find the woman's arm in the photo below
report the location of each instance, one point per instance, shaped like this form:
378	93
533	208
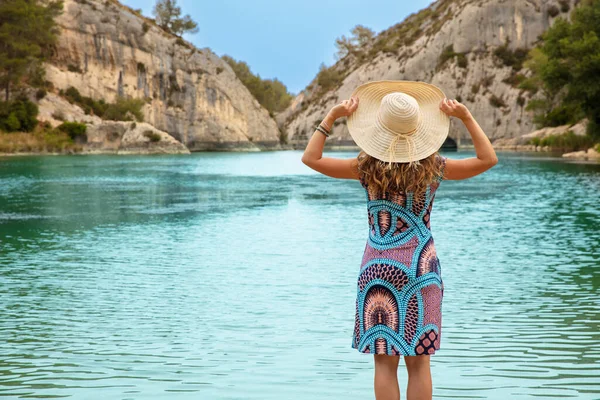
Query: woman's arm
313	154
486	156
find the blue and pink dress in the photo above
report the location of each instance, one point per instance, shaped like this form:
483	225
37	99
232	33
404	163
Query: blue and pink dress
400	287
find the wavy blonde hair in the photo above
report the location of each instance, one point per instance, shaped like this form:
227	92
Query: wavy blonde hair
389	177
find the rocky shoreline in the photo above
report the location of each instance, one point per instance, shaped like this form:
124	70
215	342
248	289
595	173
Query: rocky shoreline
131	138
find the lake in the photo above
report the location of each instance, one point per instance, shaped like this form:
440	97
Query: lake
233	276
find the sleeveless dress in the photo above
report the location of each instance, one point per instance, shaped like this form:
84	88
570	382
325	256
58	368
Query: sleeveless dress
400	287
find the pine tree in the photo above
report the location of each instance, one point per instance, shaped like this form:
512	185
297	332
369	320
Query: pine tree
168	16
27	32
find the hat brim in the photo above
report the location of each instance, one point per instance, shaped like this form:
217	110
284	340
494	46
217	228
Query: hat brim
431	132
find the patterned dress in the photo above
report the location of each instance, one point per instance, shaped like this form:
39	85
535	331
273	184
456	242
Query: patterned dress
400	287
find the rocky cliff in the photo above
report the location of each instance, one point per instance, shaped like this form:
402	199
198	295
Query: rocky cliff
472	49
107	50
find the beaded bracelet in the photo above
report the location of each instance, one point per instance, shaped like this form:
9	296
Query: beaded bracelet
322	130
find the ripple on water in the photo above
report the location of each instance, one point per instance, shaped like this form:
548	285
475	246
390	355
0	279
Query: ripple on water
218	276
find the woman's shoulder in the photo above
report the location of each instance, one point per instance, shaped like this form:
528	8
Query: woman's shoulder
442	162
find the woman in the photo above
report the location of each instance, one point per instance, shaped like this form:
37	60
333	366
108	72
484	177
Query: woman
399	127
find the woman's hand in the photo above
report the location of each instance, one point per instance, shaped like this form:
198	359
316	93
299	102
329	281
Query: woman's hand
344	109
453	108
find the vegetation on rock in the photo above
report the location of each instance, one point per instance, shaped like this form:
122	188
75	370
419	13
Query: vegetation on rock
568	141
75	130
168	16
272	94
329	78
356	44
122	110
19	115
41	140
27	33
152	136
449	53
511	58
566	67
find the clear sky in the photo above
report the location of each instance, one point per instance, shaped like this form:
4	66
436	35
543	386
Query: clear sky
284	39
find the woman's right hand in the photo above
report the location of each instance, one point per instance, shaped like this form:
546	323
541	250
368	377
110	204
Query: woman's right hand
345	108
453	108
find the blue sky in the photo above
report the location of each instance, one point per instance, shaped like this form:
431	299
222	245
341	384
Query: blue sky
284	39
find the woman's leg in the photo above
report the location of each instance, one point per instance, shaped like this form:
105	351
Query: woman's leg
419	377
386	377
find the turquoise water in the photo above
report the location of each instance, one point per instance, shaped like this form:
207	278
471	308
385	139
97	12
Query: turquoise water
232	276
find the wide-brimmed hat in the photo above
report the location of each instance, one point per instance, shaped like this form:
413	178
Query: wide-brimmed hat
399	121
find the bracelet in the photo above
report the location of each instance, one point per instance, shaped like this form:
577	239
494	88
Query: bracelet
322	130
327	127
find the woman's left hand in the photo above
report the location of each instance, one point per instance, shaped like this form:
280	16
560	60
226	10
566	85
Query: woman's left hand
344	109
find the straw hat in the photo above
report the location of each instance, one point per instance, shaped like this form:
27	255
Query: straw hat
399	121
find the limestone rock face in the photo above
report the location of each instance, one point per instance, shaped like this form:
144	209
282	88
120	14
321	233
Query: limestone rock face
120	137
56	110
482	81
590	154
106	50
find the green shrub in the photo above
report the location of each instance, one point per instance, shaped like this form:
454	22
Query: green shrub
18	115
564	5
74	68
75	130
511	58
125	110
40	94
89	105
153	136
521	101
145	27
329	78
529	85
562	114
496	101
553	11
514	79
272	94
446	55
461	60
449	53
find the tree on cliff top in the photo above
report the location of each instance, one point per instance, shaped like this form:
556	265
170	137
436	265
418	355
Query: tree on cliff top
168	16
27	32
361	37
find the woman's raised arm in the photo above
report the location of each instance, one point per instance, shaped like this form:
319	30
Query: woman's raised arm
313	154
486	156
